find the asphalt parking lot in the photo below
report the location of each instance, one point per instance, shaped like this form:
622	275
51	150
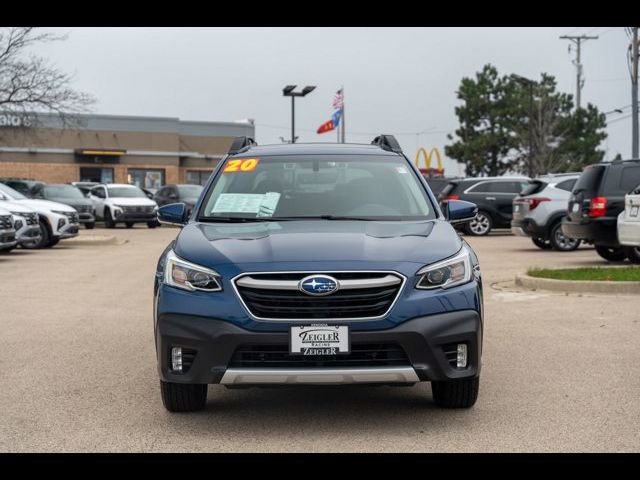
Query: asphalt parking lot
78	371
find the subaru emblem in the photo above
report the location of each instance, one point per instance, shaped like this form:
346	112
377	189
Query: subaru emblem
318	285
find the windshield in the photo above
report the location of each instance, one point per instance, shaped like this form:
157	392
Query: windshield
190	191
366	187
62	191
10	192
126	192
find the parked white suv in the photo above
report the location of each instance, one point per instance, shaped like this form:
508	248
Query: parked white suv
7	231
538	211
26	222
57	221
629	225
122	203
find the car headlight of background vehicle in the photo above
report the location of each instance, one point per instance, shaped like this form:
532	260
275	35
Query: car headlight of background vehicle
447	273
189	276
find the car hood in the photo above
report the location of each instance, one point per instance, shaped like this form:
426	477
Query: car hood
73	202
45	205
317	241
15	206
132	202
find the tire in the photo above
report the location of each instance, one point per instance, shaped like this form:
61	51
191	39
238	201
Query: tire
7	249
129	224
53	242
560	242
481	225
45	237
108	219
456	393
90	226
633	254
183	397
152	224
541	243
611	254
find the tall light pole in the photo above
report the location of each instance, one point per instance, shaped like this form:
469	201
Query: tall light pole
578	39
529	84
288	91
634	92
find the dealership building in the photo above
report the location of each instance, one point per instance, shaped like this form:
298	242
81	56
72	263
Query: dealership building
146	151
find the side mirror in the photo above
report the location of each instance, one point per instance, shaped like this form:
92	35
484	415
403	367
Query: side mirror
459	211
173	214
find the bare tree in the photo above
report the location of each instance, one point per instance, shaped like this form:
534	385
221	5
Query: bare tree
29	83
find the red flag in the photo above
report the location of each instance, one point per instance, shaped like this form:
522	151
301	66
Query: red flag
326	127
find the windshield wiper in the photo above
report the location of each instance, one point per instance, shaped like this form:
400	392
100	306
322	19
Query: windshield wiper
238	219
325	217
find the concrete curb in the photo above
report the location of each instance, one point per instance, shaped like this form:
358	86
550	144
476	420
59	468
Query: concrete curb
577	286
94	240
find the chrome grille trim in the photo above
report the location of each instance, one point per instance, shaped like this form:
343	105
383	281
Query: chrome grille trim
250	282
304	273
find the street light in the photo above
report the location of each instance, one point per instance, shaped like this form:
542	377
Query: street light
288	91
528	83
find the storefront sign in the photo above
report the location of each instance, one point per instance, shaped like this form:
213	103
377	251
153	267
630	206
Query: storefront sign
12	120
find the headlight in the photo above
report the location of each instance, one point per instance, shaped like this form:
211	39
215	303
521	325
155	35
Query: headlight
59	212
447	273
189	276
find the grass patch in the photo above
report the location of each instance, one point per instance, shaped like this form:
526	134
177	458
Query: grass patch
621	274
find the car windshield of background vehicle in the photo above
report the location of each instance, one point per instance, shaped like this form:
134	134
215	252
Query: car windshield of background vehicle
375	187
11	193
190	191
126	192
62	191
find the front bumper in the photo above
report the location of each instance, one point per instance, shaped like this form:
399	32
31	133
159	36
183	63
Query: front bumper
134	217
599	231
7	238
86	218
423	339
29	235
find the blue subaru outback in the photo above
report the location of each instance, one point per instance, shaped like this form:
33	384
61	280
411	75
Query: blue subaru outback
317	264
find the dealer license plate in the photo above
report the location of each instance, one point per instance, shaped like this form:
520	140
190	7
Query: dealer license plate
319	339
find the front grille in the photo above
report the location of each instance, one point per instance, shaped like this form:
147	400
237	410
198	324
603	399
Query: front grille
290	303
84	208
138	209
5	221
278	356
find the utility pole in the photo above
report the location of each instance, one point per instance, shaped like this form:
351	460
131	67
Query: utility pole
529	84
577	40
634	92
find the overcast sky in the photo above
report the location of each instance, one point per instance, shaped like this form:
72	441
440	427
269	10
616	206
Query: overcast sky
396	80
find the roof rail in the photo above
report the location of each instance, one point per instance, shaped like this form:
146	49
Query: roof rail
241	143
387	142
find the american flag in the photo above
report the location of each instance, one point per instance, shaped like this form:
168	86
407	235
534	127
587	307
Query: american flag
338	100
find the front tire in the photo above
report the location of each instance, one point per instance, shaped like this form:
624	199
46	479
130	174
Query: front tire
45	237
456	393
611	254
90	226
541	243
560	242
481	225
183	397
7	249
108	219
129	224
152	224
633	254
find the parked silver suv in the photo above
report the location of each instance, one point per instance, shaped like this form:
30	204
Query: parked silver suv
538	211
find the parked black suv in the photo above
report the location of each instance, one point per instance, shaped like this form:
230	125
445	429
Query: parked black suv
187	194
595	203
25	186
493	196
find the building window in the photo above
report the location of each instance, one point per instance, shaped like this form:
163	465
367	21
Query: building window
101	175
146	178
198	177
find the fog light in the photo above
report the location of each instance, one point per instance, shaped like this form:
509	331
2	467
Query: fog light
61	223
176	359
461	359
